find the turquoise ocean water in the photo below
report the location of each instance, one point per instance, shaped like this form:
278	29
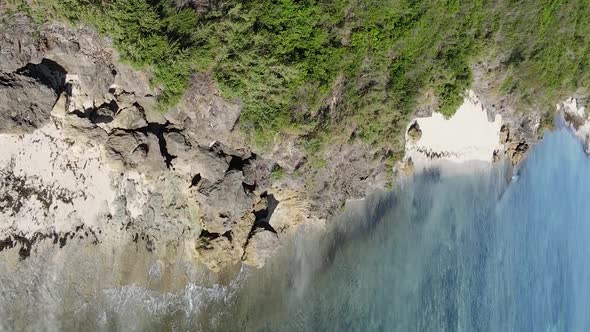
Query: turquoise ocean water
479	252
463	253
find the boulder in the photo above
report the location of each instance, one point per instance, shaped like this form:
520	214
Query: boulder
129	118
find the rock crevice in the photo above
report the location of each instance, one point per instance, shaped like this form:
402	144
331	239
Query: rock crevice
88	147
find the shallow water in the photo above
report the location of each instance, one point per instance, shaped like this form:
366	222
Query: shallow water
468	253
465	253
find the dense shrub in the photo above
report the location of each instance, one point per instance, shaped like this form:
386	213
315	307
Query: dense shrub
284	59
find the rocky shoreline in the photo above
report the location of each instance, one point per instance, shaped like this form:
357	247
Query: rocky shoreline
88	158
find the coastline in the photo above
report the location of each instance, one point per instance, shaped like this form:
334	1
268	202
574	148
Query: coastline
463	141
288	166
187	179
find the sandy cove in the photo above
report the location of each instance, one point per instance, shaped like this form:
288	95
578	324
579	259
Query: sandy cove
467	136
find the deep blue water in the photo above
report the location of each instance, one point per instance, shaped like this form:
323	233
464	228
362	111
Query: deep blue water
463	253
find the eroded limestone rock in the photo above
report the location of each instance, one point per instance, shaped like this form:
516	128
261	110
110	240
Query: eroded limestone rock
96	157
575	115
286	212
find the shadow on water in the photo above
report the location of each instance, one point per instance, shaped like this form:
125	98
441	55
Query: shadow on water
441	253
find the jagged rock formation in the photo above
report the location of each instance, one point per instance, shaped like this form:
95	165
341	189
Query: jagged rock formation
29	93
87	157
185	177
521	128
575	115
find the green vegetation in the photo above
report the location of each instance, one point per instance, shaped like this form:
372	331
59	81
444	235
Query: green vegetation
545	47
277	173
315	67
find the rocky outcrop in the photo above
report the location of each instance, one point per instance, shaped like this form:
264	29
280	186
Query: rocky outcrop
84	148
278	218
521	128
576	117
29	93
414	132
89	158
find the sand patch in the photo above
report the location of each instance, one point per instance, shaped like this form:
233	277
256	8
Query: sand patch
50	183
468	136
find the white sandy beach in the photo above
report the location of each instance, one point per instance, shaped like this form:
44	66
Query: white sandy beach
468	136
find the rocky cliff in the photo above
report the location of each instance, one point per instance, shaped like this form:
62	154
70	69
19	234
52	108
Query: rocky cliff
88	157
85	153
